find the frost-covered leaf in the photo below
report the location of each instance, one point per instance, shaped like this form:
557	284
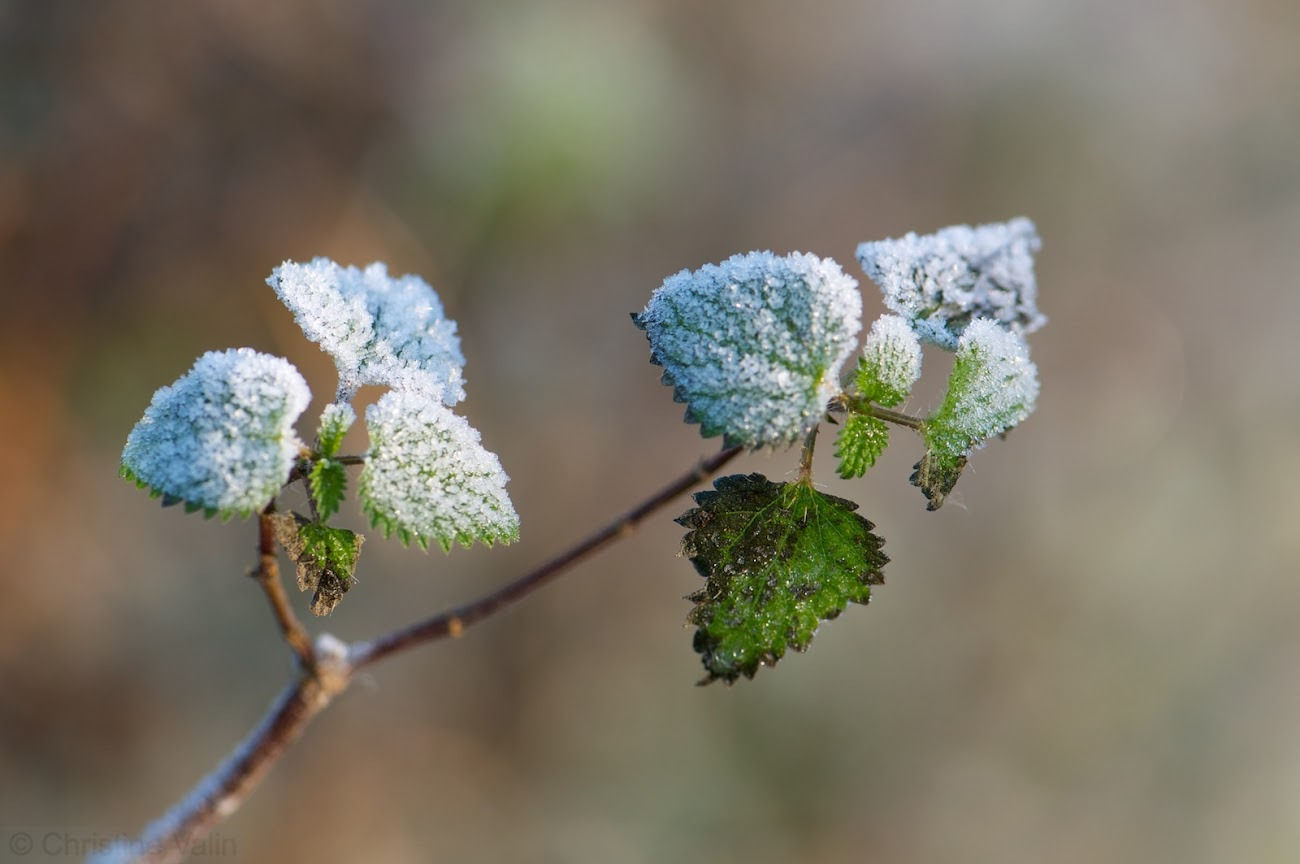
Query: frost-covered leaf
779	559
335	421
754	345
326	558
379	330
993	387
328	481
861	440
891	361
942	281
221	437
427	477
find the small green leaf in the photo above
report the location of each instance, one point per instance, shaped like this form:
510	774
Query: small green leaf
335	421
936	474
861	440
326	558
779	559
328	480
993	387
890	363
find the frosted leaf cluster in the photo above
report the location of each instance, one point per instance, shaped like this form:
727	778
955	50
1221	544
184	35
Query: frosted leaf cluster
891	361
221	437
427	477
943	281
993	387
754	345
379	330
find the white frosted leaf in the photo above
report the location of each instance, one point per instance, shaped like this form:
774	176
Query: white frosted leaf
993	387
379	329
891	361
942	281
754	345
221	437
427	477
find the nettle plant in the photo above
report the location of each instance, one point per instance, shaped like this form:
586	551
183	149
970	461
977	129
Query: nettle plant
757	349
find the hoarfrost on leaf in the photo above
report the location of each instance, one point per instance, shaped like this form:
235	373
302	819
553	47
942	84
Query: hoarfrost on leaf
993	387
754	345
942	281
891	361
427	477
379	329
221	437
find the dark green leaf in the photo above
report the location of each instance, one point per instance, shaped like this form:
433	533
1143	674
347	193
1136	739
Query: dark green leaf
779	559
328	481
861	440
326	558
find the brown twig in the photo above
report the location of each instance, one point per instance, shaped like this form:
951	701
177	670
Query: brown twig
267	574
328	669
454	621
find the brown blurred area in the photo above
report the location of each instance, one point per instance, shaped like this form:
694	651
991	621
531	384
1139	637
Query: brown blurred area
1089	655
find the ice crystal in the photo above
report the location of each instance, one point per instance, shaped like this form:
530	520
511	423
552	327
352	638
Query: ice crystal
221	437
942	281
891	361
754	345
993	387
427	477
379	330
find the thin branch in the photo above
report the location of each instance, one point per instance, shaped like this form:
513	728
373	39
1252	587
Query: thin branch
806	457
218	795
267	574
328	669
454	621
894	416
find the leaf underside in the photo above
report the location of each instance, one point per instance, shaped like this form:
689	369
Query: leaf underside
326	558
778	558
936	475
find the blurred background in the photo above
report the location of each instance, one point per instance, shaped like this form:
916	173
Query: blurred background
1090	654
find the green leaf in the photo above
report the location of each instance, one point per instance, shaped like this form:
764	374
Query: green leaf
335	421
890	363
328	480
428	477
326	558
861	440
993	387
779	558
936	474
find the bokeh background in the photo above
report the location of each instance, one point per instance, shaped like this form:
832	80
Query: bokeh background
1090	654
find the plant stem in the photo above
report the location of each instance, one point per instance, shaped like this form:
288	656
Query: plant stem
893	416
806	457
454	621
328	669
267	574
